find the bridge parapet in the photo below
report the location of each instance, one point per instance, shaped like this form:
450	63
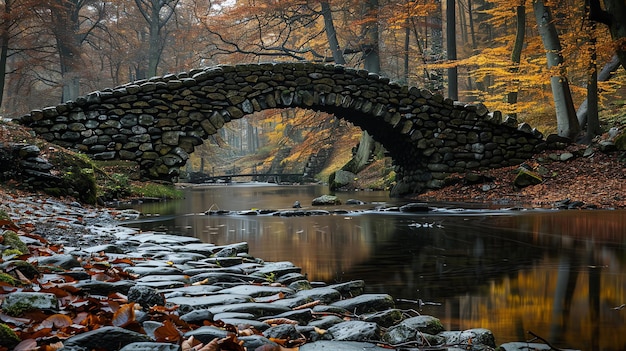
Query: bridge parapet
159	121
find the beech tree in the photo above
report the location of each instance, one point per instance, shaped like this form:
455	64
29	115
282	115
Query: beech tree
567	123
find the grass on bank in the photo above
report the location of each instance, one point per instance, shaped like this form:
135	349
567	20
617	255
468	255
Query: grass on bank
120	180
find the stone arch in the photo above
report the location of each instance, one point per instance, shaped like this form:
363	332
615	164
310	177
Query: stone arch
158	122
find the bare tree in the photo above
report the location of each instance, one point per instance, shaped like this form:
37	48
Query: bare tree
157	14
453	75
71	23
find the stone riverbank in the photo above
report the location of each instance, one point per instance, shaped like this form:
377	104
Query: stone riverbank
76	280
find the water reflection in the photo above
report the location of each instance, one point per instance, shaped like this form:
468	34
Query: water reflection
556	273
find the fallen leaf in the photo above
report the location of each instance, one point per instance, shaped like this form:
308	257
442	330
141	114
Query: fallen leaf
57	321
274	321
167	333
124	315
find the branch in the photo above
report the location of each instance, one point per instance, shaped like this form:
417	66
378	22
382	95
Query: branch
544	340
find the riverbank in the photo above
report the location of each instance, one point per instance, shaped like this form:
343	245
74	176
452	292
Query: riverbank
576	177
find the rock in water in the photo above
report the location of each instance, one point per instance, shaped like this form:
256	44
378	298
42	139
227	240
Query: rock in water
326	200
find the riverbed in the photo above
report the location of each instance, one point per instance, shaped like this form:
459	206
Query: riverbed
559	274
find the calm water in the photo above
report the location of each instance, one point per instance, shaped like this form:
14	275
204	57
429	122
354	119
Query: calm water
558	274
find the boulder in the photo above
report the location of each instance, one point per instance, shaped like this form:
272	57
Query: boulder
341	179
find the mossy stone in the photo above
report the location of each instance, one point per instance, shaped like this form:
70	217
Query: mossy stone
620	142
27	269
5	278
8	336
11	239
78	177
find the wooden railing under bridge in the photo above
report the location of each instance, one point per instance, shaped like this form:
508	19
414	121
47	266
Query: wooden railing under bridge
278	178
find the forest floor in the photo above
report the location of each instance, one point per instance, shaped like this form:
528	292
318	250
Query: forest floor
596	181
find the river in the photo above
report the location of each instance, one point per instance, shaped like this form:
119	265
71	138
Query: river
559	274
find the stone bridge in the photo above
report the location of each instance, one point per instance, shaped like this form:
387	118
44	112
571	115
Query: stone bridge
159	121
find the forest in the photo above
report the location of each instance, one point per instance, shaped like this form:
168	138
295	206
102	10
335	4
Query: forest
555	64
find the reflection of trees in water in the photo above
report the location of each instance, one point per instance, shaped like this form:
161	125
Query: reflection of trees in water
323	246
555	274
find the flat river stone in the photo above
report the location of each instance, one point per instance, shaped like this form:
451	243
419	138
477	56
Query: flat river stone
105	338
189	303
150	346
206	334
255	308
256	291
366	303
325	345
325	295
354	331
218	277
28	301
143	271
164	239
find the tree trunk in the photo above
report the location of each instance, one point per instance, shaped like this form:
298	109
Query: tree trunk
453	76
471	23
606	73
151	13
593	122
371	61
371	55
567	124
331	34
435	24
4	49
516	54
407	42
65	26
614	16
154	42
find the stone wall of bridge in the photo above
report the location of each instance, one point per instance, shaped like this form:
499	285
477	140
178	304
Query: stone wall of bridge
158	122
